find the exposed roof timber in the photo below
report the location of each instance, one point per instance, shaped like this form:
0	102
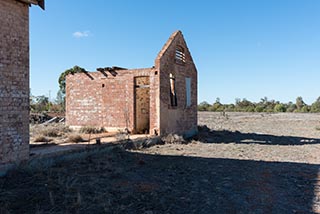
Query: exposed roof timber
36	2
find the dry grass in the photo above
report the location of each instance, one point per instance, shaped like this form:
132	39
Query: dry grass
75	139
224	174
41	138
56	132
51	130
173	139
92	130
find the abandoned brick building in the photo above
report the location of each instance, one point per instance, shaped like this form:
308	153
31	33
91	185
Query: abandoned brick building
157	100
14	79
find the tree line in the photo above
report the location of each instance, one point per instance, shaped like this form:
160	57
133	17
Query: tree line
265	105
42	103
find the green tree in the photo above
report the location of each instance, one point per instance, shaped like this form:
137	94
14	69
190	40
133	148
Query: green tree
300	104
315	107
291	107
60	102
280	108
259	108
217	106
244	105
203	106
305	109
40	104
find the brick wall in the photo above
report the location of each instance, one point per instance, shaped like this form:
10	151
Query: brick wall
94	99
14	81
99	100
181	118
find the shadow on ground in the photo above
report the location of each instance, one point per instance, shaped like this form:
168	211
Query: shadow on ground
119	181
224	136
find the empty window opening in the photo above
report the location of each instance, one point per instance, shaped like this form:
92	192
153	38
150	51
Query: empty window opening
173	95
180	56
188	91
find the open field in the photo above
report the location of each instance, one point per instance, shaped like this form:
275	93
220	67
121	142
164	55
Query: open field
246	163
283	137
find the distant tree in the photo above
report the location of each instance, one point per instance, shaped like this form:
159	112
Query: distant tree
305	109
315	107
244	105
265	105
264	100
203	106
291	107
217	106
259	108
229	107
280	108
237	101
299	103
40	104
60	101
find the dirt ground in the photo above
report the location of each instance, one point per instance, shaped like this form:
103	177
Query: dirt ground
245	163
283	137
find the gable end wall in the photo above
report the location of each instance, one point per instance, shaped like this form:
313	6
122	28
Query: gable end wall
181	119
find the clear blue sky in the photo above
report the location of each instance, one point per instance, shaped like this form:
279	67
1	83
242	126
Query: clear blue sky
242	48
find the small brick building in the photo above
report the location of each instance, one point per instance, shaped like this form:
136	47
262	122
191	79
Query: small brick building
157	100
14	79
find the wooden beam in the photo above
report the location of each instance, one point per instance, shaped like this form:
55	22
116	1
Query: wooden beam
35	2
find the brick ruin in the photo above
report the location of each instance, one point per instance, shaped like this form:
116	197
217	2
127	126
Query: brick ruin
157	100
14	79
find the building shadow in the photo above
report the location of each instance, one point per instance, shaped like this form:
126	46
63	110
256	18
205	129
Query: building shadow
207	135
133	182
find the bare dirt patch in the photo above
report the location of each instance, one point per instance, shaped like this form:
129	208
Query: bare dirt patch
256	166
283	137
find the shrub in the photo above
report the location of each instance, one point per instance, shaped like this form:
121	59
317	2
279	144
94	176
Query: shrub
291	107
92	130
41	138
280	108
258	109
55	131
173	139
305	109
75	139
51	132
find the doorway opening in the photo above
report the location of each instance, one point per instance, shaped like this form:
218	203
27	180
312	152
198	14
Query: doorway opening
142	105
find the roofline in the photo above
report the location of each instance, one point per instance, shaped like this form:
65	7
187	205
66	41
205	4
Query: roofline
35	2
168	43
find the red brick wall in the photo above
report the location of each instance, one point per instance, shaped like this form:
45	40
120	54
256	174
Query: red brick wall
100	101
180	119
14	81
109	101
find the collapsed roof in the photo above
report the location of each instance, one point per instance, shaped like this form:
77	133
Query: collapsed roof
35	2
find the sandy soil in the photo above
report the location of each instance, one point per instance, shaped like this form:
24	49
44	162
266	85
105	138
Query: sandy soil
246	163
282	137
